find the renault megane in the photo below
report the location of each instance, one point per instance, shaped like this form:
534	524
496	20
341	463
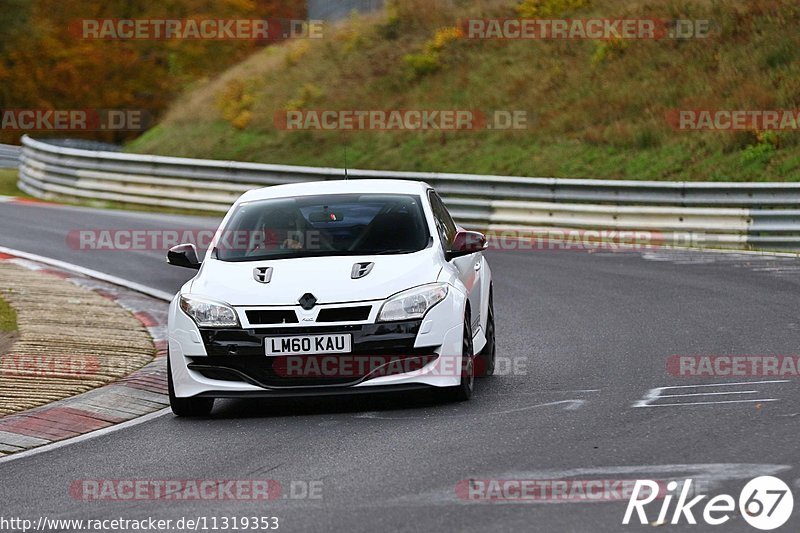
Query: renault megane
335	287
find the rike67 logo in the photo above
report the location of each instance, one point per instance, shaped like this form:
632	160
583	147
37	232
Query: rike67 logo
765	503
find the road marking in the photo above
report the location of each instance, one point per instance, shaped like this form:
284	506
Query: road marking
571	405
132	285
726	384
564	391
85	436
537	393
707	394
710	403
653	395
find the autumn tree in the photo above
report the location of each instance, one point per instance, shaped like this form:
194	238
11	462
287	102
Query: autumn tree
45	63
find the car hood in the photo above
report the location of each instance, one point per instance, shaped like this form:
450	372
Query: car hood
327	278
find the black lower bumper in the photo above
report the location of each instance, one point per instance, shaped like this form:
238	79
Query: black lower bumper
315	392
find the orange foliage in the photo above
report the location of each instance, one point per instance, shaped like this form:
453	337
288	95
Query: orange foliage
45	64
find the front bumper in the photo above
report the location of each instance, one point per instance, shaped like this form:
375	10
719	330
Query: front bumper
378	350
397	355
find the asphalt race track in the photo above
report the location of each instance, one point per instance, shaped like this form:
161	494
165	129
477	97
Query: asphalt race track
590	335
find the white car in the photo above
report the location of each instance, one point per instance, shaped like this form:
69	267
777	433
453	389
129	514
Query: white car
329	288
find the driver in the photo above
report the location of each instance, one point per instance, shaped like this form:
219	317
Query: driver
280	228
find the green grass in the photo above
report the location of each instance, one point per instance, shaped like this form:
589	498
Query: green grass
8	318
8	183
595	110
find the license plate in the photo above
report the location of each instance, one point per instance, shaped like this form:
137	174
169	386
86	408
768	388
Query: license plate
309	344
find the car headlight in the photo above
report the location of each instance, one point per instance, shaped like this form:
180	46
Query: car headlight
208	313
413	303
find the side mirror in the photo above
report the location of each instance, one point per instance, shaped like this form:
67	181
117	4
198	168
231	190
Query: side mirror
183	255
465	243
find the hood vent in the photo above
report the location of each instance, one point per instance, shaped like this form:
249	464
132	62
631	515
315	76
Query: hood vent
361	269
262	274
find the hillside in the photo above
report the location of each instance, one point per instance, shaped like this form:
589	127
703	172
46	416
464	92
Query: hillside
596	108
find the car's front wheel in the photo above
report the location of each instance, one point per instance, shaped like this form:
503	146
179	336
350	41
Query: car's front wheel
186	406
463	391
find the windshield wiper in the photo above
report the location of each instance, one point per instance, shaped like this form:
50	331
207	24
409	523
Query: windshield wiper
394	251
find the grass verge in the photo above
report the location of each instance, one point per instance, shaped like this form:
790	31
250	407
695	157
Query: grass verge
8	183
8	318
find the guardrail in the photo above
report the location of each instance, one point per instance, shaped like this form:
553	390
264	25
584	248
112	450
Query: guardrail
9	155
720	214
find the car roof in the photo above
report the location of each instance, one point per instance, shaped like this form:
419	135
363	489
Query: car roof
351	186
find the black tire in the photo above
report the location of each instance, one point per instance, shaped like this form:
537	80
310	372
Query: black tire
186	406
486	360
463	391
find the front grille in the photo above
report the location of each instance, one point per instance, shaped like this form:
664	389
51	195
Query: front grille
384	338
271	316
344	314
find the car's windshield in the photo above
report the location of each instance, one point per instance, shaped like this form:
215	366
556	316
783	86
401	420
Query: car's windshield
309	226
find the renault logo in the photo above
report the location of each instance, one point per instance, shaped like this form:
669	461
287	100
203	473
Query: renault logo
307	301
262	274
